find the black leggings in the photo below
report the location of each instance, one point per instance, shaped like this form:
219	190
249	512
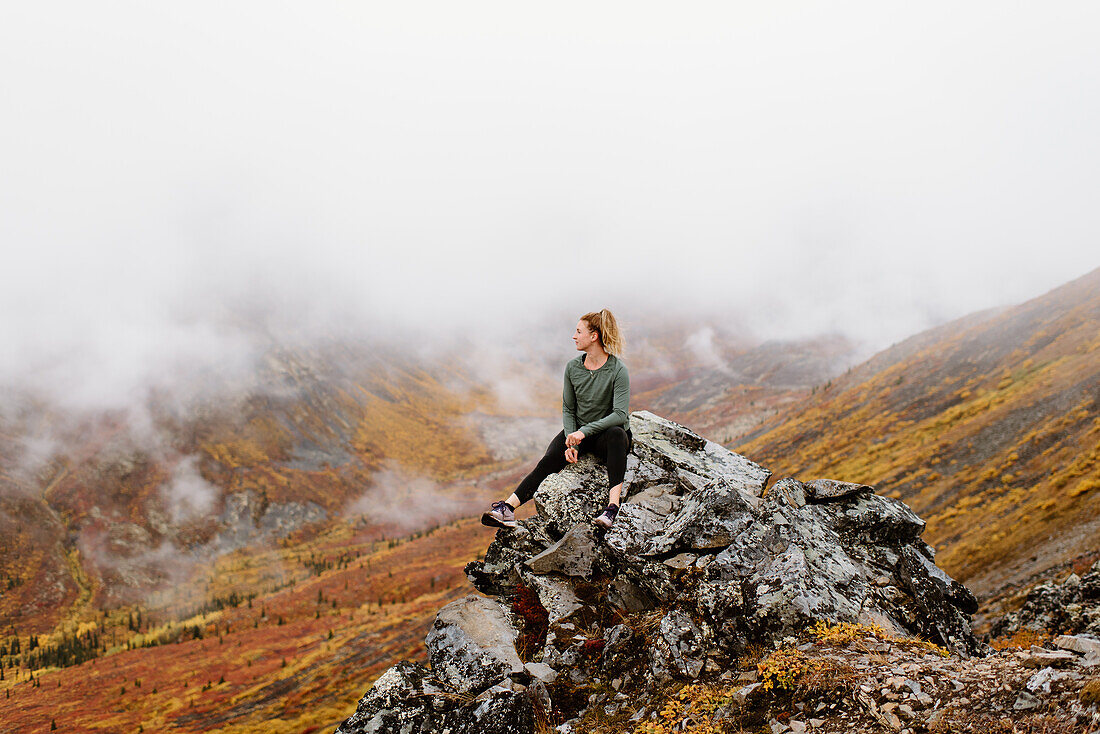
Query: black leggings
611	445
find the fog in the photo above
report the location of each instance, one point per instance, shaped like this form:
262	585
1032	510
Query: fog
184	182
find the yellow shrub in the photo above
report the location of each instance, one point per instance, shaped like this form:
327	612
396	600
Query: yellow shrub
1084	486
783	668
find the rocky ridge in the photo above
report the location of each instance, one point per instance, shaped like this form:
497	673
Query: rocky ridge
701	572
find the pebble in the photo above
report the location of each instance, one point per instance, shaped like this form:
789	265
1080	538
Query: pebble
1041	658
1077	643
1025	701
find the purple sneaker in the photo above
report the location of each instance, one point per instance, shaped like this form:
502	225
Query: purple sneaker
606	518
500	516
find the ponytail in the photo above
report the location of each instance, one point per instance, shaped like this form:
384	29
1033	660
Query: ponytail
604	324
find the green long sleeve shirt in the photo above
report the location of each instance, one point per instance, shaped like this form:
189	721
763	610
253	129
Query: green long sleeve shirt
594	400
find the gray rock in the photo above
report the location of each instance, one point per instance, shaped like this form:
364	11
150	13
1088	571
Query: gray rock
1077	643
1039	657
674	447
404	699
659	499
1091	660
639	521
719	600
681	561
941	616
1026	701
556	596
497	574
573	495
823	490
870	519
642	474
472	645
630	597
712	517
792	491
1072	607
573	555
542	672
917	564
682	643
746	693
620	651
1040	682
503	712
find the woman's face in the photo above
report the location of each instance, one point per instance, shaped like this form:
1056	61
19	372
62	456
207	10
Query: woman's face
583	337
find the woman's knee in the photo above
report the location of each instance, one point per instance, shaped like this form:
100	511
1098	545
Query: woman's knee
616	436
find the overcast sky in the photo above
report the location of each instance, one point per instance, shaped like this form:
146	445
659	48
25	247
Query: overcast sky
874	168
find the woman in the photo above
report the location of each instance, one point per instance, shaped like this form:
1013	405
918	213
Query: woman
595	400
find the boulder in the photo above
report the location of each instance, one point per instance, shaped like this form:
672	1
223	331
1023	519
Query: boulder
472	645
824	490
501	712
1078	643
1040	657
572	496
678	449
404	699
682	644
942	601
573	555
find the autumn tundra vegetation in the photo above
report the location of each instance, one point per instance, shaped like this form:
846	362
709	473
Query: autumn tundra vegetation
988	427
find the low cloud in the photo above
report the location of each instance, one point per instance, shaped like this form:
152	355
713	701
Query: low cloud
408	501
187	495
701	345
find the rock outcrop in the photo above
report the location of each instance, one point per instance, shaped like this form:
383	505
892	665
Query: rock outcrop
700	565
1073	606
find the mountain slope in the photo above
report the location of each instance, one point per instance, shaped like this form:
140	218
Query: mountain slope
728	389
124	506
989	427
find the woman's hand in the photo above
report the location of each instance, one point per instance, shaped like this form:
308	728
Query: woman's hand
571	455
574	438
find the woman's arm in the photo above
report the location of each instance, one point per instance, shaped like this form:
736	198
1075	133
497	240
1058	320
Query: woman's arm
620	404
568	405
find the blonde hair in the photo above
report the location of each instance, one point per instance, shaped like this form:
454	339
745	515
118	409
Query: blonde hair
604	324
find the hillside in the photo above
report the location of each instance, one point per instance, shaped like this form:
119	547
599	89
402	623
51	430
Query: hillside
989	427
282	640
124	505
727	388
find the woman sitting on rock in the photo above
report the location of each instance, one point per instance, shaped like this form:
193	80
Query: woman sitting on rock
596	397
